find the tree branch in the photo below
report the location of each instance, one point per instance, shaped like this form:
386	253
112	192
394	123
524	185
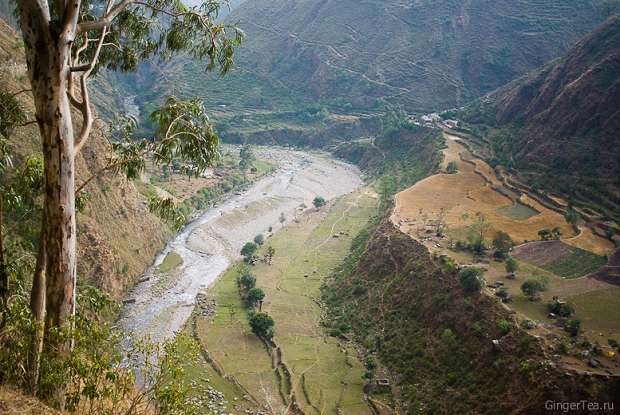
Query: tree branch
87	112
21	92
106	20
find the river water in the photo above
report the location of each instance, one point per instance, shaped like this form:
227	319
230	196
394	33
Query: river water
209	244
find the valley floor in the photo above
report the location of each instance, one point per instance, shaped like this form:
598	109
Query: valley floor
320	373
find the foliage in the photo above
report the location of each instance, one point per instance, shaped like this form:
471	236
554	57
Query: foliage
573	327
549	234
531	287
319	202
371	368
255	296
560	308
448	337
246	280
247	158
262	325
271	251
12	115
248	250
471	279
259	239
476	233
572	216
512	265
504	326
101	369
452	168
502	243
167	209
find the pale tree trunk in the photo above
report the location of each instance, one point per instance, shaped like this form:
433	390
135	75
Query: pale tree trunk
47	46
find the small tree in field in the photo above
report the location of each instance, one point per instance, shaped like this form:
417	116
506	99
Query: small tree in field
533	287
511	265
262	325
476	233
270	253
319	202
502	243
248	250
255	296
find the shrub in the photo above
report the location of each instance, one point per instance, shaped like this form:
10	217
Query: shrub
504	326
452	167
560	308
511	265
262	325
259	239
448	337
318	202
471	279
531	287
573	327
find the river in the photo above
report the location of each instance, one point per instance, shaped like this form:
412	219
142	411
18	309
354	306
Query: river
211	243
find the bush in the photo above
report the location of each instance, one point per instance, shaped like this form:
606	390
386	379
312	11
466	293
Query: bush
504	326
560	308
259	239
452	167
511	265
448	337
471	279
262	325
532	287
573	327
318	202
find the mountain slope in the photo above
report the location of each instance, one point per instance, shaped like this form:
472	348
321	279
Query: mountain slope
558	126
447	351
425	54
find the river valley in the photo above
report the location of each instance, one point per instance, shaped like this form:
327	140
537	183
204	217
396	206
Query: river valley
210	243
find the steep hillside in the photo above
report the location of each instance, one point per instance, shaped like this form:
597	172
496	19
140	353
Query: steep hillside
118	237
425	54
446	351
558	126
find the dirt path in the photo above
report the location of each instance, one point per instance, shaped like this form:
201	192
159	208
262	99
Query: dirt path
212	242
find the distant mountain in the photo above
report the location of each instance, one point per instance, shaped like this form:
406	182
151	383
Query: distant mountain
424	54
559	125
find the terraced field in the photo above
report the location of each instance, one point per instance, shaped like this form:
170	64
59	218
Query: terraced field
322	374
559	258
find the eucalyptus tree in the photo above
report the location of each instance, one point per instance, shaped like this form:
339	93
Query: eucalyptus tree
66	42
